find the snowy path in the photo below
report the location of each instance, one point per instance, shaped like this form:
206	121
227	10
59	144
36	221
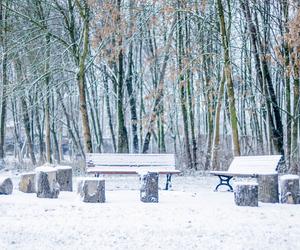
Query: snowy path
191	216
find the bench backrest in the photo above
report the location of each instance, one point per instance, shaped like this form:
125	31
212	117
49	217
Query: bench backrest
263	164
159	160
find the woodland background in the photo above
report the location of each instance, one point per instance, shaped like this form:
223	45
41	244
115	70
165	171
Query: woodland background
204	79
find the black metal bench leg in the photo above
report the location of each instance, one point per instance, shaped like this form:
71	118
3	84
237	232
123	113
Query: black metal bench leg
169	181
224	181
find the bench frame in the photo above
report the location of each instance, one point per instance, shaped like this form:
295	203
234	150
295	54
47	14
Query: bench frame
101	164
233	170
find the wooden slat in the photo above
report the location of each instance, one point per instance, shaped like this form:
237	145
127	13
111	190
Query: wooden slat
131	159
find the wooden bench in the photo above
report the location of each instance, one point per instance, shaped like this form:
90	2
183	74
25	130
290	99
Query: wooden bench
247	166
131	164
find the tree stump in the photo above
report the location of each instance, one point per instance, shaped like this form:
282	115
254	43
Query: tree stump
92	190
289	189
6	185
64	178
27	182
46	183
268	188
149	187
246	193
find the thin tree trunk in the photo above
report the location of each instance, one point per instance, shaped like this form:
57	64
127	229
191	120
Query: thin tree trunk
216	141
97	131
123	146
39	130
295	125
75	140
129	80
182	91
190	95
229	81
286	74
54	131
108	110
47	104
3	37
17	131
209	110
81	77
26	121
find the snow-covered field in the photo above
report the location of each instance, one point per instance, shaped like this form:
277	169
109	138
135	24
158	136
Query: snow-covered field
191	216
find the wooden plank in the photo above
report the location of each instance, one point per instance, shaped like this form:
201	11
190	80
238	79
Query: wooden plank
131	159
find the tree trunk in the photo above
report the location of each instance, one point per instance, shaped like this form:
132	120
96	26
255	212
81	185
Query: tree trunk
229	81
3	41
182	91
95	124
129	80
295	125
40	131
123	146
209	109
286	74
81	80
26	121
216	141
190	94
75	140
108	110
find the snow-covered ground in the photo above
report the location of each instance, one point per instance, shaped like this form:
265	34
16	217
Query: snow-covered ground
191	216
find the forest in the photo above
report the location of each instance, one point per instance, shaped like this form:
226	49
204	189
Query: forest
204	79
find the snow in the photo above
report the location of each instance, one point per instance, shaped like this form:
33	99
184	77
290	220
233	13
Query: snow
61	167
28	173
191	216
289	177
45	169
245	183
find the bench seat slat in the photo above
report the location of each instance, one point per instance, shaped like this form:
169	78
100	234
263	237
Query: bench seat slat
131	159
236	174
131	170
259	157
